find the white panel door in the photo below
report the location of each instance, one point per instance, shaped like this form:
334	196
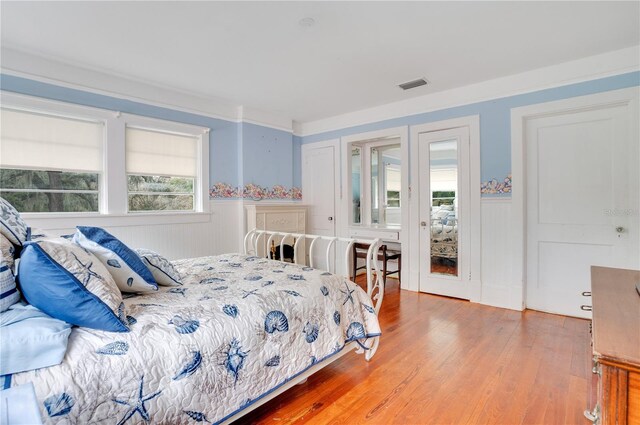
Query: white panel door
444	212
582	203
318	192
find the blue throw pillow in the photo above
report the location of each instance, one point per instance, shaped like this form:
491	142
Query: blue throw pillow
162	270
9	294
31	339
11	224
70	284
128	270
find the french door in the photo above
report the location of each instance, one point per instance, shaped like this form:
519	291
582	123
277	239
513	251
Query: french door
444	212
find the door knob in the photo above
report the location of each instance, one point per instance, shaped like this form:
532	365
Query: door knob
330	218
423	223
620	229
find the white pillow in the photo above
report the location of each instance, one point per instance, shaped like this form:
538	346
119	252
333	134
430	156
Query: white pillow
163	271
11	224
7	252
440	214
127	269
9	294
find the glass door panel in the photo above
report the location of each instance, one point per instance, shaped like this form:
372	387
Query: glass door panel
443	178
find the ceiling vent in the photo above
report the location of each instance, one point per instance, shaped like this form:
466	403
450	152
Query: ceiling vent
413	84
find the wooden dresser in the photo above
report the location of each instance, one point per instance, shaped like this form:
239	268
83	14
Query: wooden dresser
616	346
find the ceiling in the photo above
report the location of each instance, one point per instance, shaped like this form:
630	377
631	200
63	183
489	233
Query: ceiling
258	55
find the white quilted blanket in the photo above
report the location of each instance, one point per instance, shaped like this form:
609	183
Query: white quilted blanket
239	327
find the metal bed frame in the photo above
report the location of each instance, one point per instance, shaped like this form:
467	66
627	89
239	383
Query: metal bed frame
375	289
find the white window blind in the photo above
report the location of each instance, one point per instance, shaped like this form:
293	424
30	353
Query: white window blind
393	179
445	179
31	140
155	153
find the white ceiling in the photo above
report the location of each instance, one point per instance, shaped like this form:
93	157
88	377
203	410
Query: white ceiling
256	54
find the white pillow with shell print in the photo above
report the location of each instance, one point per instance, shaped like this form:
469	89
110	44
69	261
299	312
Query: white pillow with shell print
11	224
7	252
162	270
127	269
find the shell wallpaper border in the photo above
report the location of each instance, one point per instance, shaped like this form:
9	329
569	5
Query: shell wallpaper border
255	192
494	186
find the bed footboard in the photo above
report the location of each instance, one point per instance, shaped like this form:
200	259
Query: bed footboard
266	239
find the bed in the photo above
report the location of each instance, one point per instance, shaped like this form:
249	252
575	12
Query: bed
239	331
444	233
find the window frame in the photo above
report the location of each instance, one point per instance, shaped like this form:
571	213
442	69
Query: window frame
113	189
366	200
200	189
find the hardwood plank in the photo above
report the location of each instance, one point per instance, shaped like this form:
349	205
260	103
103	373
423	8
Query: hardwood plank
447	361
634	398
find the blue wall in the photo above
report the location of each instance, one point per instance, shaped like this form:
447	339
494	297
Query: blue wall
240	153
495	120
267	156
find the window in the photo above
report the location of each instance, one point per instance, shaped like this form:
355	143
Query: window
63	158
376	182
50	163
392	177
439	197
161	170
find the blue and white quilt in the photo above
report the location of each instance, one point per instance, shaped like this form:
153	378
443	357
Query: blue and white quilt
239	327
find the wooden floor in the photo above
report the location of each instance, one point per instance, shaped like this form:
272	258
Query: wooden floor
446	361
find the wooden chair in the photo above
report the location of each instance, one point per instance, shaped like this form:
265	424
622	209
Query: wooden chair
384	255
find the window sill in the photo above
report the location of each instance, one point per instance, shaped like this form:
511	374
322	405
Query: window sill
70	221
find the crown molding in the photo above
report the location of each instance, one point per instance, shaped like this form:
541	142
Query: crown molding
266	119
580	70
80	77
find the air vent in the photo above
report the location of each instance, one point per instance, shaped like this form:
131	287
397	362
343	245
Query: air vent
413	84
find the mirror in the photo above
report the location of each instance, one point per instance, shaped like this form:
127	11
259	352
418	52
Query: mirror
356	173
385	185
443	178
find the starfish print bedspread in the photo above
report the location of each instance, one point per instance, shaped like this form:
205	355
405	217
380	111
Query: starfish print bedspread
239	327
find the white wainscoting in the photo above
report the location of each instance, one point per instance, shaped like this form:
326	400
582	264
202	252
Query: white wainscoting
217	232
499	288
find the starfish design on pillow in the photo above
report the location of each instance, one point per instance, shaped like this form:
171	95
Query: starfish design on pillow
86	273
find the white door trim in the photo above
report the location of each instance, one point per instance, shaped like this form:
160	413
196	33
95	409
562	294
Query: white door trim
473	122
623	97
337	192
